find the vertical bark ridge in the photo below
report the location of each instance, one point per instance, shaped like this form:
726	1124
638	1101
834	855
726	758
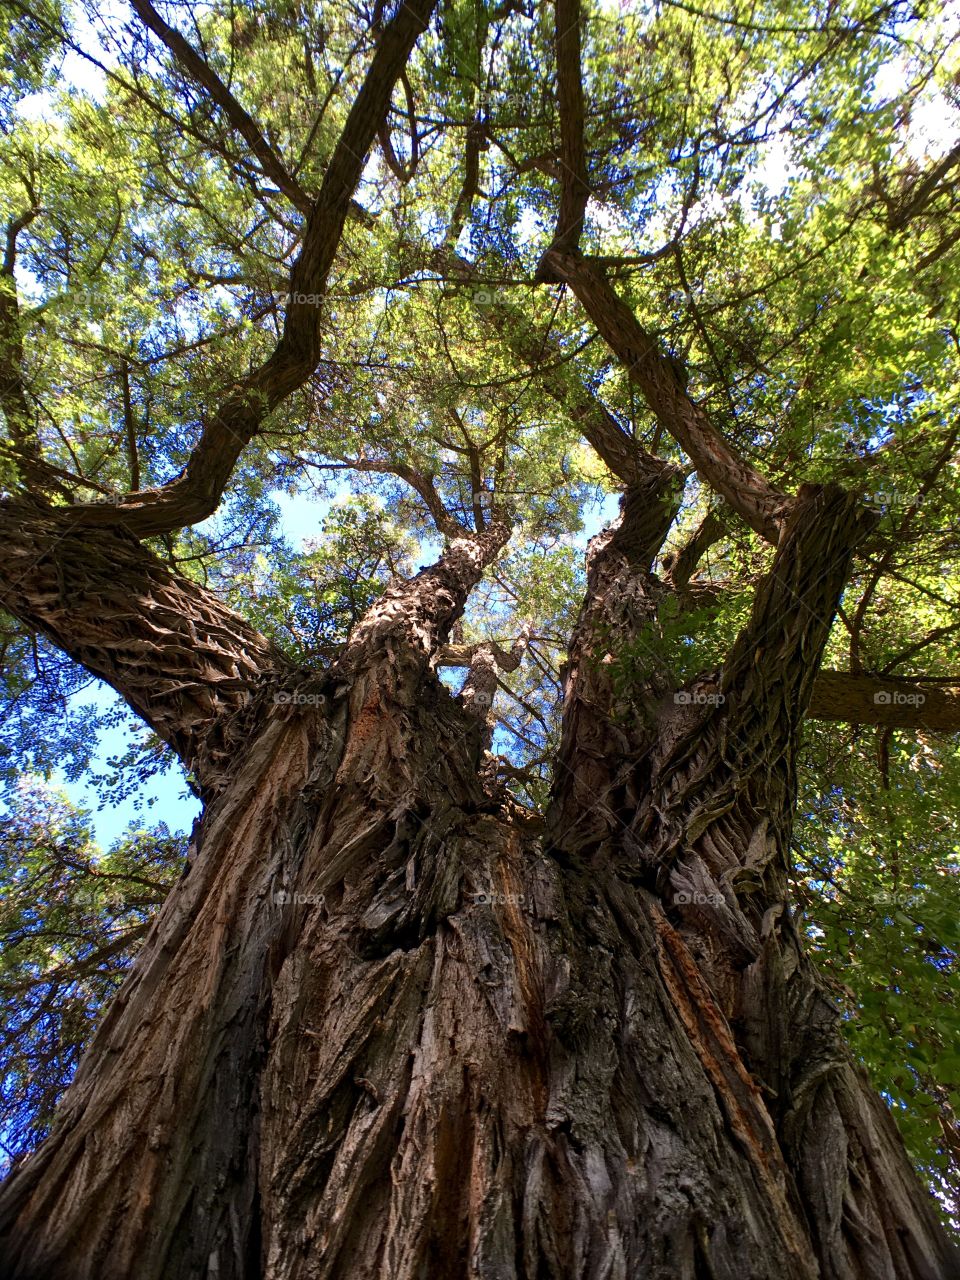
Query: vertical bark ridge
714	774
380	1031
162	1121
621	601
150	1168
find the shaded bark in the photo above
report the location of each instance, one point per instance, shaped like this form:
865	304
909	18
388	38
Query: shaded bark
183	661
575	187
896	701
387	1026
161	1129
691	825
14	404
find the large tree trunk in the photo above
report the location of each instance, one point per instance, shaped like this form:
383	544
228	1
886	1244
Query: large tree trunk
387	1026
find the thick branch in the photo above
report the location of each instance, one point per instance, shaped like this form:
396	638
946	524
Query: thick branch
747	491
422	485
463	655
750	494
919	195
471	180
415	617
196	493
774	661
600	731
575	187
13	395
896	702
183	661
200	71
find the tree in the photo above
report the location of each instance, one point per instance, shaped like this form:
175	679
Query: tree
463	982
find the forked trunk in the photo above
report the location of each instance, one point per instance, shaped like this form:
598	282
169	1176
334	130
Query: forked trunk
388	1026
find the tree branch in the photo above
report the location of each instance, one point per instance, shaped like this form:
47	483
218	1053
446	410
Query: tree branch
13	395
710	531
200	71
180	658
422	485
620	453
750	494
896	701
197	492
575	186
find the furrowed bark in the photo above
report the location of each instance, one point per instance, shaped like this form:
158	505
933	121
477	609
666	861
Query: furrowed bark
183	661
379	1031
702	858
150	1169
621	603
721	1202
14	404
153	1162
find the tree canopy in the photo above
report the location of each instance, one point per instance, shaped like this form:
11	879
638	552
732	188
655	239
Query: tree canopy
257	249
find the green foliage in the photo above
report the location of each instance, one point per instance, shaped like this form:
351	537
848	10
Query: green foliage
876	878
71	918
27	46
308	601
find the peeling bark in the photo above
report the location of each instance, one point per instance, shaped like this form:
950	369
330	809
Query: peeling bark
387	1027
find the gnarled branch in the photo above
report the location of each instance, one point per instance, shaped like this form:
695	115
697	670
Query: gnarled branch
182	660
197	492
